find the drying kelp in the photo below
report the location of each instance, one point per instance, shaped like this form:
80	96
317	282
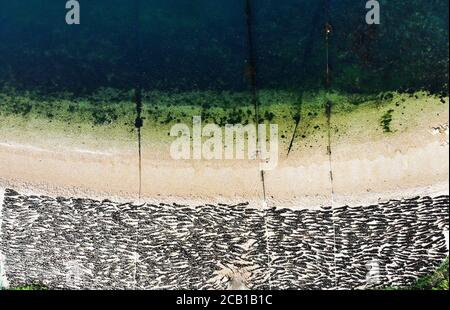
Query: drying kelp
88	244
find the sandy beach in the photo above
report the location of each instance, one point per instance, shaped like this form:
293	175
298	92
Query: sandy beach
367	164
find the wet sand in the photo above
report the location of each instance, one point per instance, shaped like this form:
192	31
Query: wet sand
387	169
367	166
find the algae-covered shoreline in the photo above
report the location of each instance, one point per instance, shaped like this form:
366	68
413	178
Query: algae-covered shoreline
110	114
382	145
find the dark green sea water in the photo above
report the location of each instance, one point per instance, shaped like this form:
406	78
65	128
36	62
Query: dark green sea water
203	45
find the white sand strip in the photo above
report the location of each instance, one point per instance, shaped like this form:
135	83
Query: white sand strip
418	171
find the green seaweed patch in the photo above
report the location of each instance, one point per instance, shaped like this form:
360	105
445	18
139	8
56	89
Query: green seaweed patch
386	121
435	281
110	109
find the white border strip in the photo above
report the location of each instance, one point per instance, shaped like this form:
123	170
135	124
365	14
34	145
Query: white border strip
3	280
